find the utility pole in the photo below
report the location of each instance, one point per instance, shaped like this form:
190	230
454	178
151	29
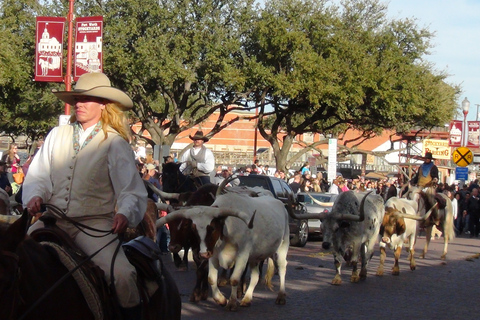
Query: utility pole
68	75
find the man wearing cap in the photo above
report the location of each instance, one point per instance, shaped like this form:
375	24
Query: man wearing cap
427	172
87	169
199	161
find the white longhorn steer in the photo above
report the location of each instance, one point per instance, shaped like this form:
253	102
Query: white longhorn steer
228	239
399	225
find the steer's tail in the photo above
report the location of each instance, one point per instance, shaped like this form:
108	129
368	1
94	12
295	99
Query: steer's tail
270	273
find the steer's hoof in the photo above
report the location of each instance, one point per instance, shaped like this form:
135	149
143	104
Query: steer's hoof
222	301
281	299
395	272
232	305
379	272
337	280
246	303
354	279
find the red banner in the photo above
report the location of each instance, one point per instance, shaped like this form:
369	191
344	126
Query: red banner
456	132
88	45
473	140
49	49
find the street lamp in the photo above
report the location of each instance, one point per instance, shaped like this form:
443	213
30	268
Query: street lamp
465	107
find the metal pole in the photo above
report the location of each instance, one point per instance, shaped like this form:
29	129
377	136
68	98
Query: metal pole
255	137
68	75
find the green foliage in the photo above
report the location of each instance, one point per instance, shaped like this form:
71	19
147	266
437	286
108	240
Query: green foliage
325	69
308	66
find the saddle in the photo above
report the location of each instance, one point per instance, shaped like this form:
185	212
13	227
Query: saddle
142	253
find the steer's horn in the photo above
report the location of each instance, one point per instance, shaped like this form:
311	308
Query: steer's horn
184	213
160	193
320	203
224	212
164	207
418	218
224	183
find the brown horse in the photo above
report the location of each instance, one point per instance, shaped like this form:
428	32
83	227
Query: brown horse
28	269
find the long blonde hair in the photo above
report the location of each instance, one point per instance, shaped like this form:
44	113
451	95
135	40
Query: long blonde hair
112	117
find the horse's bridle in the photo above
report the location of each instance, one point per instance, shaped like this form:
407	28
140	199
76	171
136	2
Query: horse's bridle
12	291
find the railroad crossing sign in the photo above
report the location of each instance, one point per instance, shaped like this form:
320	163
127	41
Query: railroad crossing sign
462	156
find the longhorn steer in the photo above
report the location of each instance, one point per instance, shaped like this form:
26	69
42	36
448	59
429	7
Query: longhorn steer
442	217
182	235
227	242
351	228
399	224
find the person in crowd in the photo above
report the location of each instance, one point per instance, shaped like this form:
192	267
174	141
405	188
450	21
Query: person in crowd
280	174
460	207
199	161
427	173
362	188
151	175
316	184
473	212
87	169
334	188
381	190
305	168
306	185
37	145
296	183
4	182
168	159
324	185
12	160
342	184
266	170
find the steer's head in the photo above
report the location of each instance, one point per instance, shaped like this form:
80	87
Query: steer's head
339	226
393	224
206	224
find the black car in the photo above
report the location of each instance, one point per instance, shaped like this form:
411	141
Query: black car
280	190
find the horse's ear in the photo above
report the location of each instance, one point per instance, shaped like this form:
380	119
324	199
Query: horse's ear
17	231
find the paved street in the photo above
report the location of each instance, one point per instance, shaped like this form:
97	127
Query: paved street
436	290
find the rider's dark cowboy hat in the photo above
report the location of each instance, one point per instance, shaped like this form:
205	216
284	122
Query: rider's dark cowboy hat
429	155
199	136
95	85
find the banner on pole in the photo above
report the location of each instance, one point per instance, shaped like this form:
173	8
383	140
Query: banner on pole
88	45
456	132
49	49
473	140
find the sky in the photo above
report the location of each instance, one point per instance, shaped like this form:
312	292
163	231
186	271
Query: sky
456	50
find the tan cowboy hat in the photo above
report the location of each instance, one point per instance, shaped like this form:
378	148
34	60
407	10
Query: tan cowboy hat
95	85
199	136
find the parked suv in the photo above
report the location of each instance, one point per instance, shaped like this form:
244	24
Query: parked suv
282	191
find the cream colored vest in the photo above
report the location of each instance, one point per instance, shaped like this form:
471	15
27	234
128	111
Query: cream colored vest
81	184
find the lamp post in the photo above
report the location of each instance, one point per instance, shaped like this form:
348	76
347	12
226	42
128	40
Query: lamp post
465	107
